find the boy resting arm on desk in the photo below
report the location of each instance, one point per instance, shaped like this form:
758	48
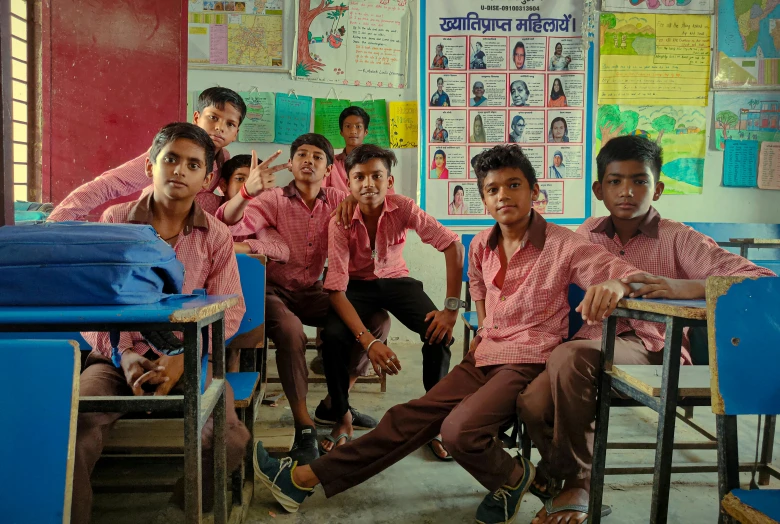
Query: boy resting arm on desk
177	164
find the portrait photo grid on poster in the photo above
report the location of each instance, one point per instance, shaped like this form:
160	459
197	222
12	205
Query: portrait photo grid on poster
486	89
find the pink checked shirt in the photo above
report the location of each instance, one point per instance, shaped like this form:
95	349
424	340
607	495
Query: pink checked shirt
304	230
668	249
338	176
206	250
527	317
349	250
120	181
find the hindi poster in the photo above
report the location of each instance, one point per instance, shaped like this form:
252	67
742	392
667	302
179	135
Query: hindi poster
403	125
501	72
293	117
258	125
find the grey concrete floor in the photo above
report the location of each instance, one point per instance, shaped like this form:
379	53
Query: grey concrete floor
423	490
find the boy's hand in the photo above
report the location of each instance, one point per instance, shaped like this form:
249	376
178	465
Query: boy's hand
344	211
474	343
173	370
241	248
263	176
383	359
140	370
651	286
441	324
601	300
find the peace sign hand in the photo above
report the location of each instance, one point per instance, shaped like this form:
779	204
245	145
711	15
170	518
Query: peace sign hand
262	176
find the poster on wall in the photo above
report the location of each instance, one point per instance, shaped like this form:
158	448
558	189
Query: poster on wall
499	72
352	42
673	7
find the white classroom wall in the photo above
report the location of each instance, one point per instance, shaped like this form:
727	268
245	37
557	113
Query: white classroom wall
715	204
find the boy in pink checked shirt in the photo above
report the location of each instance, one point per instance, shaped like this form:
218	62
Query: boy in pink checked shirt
300	213
519	271
179	163
559	407
219	112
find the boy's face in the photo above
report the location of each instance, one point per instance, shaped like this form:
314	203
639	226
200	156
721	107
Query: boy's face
180	171
507	195
369	182
310	164
354	131
220	124
628	189
237	179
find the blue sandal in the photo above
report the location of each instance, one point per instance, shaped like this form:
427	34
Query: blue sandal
335	440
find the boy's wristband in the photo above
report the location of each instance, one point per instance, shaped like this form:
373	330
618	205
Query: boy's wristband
244	194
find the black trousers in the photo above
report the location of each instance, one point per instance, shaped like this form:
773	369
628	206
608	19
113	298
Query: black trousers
404	298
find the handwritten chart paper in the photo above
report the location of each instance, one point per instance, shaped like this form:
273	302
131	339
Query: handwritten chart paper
293	117
691	7
769	166
654	59
740	163
377	130
258	126
403	125
326	120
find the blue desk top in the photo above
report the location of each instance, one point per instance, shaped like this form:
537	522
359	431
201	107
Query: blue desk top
177	310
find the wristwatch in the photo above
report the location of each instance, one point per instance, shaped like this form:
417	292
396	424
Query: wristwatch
453	303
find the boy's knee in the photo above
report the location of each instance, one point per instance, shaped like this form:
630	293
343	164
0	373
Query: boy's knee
571	360
536	402
337	332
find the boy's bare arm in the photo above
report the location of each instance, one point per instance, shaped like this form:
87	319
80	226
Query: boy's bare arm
442	321
652	286
481	314
601	300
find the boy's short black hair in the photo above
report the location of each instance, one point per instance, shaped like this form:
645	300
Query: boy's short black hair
354	111
218	97
366	152
316	140
498	157
630	147
187	131
236	162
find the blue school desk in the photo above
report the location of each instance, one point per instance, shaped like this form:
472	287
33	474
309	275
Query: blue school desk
188	315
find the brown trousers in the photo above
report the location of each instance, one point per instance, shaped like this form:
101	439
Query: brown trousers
286	313
467	407
559	406
101	378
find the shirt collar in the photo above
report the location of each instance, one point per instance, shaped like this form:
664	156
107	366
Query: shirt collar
388	207
536	233
141	213
290	191
648	226
342	156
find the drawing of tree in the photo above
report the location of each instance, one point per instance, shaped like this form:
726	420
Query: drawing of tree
306	64
726	119
611	122
608	21
663	124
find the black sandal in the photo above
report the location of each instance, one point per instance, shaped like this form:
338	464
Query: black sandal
433	450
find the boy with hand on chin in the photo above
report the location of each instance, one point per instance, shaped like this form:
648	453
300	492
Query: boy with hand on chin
179	164
219	112
519	272
559	407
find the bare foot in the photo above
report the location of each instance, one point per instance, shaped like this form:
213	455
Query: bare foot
438	448
574	492
344	426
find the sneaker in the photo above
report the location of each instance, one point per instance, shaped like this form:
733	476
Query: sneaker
304	449
501	506
276	475
325	417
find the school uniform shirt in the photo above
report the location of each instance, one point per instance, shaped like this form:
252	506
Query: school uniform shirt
118	182
338	176
527	304
304	230
349	250
205	248
668	249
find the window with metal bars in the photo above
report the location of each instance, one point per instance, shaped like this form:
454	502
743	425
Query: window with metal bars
20	92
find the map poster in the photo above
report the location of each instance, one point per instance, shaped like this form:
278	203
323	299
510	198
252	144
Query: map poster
498	72
751	115
680	130
748	44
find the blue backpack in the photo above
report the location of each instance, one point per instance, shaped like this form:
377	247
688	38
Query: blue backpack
86	264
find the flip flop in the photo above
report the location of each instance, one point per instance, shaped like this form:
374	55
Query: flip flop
335	440
605	510
553	487
430	446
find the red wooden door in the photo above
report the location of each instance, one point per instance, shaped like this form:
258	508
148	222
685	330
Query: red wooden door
114	72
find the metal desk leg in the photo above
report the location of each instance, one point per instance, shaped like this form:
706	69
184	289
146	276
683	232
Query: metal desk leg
767	444
220	411
728	460
193	486
666	419
602	420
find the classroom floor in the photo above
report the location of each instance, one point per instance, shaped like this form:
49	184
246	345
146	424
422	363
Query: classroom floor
423	490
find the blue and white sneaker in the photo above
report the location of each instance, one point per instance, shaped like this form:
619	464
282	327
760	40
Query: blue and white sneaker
276	475
501	506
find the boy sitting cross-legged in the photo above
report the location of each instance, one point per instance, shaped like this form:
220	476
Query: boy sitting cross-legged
179	165
559	407
519	272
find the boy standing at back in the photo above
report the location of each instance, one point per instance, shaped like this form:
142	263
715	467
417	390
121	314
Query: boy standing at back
179	165
219	112
300	213
559	407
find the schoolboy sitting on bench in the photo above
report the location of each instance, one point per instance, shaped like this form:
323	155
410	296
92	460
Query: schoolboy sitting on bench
179	165
519	272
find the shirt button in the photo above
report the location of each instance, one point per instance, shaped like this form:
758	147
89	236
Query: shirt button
495	327
503	298
312	216
309	244
307	267
622	252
